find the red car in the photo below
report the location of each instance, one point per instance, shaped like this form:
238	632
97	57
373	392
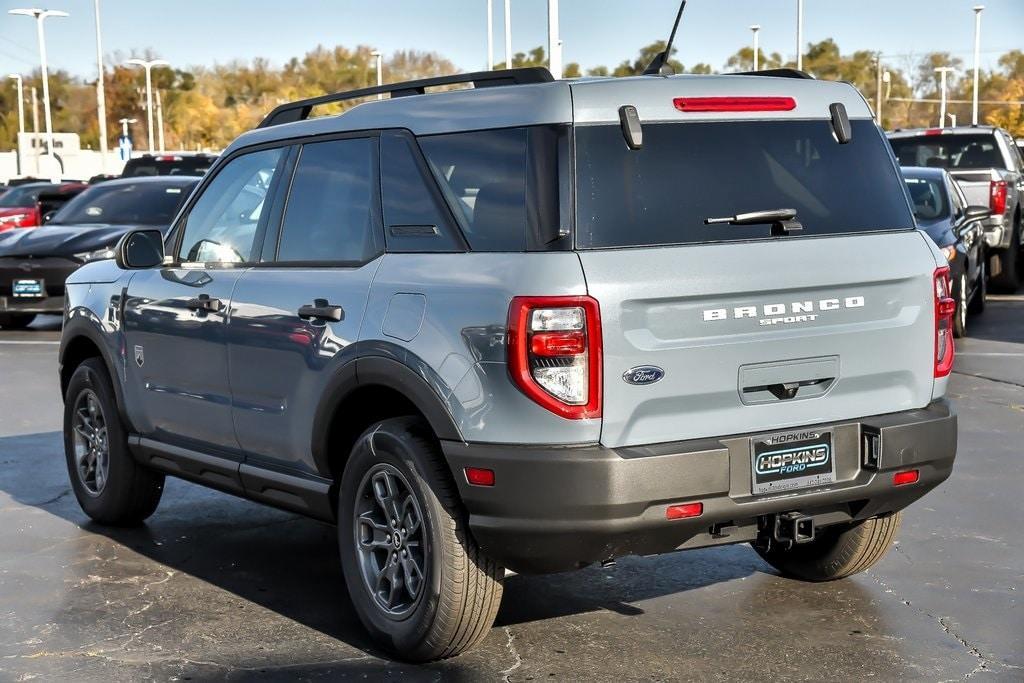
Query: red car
19	206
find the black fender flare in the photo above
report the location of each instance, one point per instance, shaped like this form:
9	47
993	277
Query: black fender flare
394	369
89	327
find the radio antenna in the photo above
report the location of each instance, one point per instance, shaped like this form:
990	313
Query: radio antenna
659	65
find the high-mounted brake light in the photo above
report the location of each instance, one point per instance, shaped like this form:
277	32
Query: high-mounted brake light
945	307
933	131
997	190
554	352
691	104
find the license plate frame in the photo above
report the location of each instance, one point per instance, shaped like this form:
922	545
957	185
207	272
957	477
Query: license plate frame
792	460
28	288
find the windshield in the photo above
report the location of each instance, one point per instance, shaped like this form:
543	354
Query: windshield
685	173
26	195
174	166
149	203
928	196
948	151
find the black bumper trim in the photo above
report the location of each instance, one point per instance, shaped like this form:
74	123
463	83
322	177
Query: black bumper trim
555	508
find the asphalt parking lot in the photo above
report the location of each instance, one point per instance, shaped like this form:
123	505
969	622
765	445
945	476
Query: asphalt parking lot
213	587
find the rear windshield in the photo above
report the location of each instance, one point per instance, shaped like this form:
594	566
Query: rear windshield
948	151
928	196
25	195
182	166
684	173
137	203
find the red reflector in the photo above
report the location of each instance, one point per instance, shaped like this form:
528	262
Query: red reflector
558	343
684	511
478	476
906	477
734	103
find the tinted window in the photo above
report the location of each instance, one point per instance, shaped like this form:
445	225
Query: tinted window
928	196
684	173
506	185
330	214
221	226
125	204
413	219
173	166
23	196
948	151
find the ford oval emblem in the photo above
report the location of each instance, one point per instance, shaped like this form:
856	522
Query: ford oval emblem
643	374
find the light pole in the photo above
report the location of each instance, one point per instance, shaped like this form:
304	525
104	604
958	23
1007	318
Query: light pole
755	29
40	15
124	125
490	35
378	57
148	66
978	9
952	119
160	121
800	35
21	113
508	34
554	44
35	127
943	70
101	100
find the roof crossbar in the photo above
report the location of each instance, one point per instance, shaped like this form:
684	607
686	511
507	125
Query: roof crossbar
301	109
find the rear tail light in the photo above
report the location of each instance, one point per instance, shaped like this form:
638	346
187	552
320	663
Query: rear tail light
554	352
906	477
997	197
945	306
689	104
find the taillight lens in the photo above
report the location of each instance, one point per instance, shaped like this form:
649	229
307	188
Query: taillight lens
945	307
688	104
554	352
997	197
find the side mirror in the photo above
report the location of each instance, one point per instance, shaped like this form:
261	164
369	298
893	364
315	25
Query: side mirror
975	212
140	249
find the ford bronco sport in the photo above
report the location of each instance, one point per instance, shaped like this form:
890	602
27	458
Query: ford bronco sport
530	325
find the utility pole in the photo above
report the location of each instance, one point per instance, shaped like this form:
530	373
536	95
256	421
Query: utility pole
878	88
21	115
755	29
800	35
508	34
378	59
554	44
160	121
490	35
101	100
148	66
943	70
35	128
978	9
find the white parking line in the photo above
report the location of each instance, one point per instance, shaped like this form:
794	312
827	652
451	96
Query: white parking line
26	341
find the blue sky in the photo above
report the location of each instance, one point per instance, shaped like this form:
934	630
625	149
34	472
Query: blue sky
191	32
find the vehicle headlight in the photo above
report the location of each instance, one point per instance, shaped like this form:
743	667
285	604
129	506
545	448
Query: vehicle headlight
949	252
98	255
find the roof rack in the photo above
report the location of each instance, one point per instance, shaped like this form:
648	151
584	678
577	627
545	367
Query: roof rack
300	110
777	73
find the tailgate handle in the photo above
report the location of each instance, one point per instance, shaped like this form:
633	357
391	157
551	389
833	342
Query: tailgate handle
784	391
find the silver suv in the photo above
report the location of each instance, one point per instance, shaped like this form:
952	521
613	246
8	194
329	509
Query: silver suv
530	326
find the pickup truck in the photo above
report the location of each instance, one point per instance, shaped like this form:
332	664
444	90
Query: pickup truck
989	168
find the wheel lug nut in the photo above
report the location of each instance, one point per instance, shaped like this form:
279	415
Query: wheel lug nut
404	552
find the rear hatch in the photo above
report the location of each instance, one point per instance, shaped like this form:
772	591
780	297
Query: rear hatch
713	330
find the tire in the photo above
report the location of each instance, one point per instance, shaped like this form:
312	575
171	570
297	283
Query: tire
115	489
960	315
838	551
16	321
1008	279
977	305
459	588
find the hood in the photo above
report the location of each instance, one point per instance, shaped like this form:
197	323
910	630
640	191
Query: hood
941	231
61	240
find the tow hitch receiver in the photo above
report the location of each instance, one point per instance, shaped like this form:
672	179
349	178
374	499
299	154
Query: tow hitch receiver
785	530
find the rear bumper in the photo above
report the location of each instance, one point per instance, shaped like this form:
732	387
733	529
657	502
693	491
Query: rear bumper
558	508
997	232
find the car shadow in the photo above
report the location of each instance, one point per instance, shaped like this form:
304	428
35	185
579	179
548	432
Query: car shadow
289	564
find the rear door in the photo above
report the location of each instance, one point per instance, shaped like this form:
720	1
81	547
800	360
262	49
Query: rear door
294	314
752	333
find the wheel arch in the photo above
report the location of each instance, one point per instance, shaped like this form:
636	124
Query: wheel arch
79	341
366	390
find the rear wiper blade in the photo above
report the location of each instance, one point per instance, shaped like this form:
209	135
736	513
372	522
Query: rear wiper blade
783	221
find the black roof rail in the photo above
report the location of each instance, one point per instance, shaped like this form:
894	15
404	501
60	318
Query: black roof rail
300	110
777	73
